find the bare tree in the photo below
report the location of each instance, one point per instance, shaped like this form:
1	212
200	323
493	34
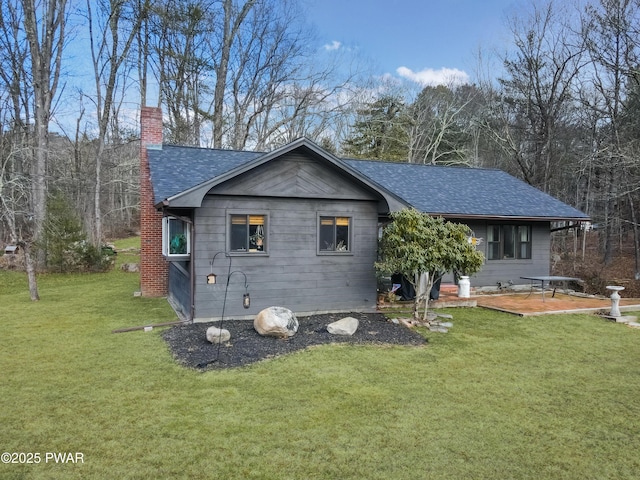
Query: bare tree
109	53
32	38
183	63
536	93
609	31
440	129
242	74
233	17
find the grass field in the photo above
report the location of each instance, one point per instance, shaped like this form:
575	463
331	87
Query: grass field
497	397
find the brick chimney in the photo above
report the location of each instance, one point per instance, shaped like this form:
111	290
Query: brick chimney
154	270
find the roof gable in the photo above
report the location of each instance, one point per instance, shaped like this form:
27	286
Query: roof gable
295	174
182	176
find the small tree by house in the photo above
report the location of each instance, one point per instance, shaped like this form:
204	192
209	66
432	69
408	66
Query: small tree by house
415	243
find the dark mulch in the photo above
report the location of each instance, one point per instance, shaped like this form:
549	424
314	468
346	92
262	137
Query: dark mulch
191	348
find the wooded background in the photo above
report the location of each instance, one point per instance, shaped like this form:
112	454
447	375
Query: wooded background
559	109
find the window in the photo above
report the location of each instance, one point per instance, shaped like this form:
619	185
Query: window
334	234
248	233
176	237
508	242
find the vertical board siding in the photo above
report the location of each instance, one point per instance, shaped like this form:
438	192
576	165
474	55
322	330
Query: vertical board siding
292	274
180	288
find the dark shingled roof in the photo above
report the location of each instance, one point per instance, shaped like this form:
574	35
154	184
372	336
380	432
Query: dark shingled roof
459	191
448	191
175	169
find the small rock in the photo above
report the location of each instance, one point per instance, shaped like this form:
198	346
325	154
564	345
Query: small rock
218	335
276	322
345	326
130	267
442	324
438	328
445	315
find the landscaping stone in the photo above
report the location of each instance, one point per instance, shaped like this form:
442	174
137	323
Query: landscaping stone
276	322
218	335
438	328
442	324
130	267
344	326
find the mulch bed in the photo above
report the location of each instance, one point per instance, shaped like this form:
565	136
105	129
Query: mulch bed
190	347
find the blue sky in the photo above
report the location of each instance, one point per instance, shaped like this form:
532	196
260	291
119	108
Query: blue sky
414	39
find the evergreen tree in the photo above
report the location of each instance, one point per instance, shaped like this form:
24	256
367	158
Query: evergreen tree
380	133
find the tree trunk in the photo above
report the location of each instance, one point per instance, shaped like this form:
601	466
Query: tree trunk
636	238
430	279
230	27
30	266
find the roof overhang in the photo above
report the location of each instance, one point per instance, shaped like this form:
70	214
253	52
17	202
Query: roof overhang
193	197
510	218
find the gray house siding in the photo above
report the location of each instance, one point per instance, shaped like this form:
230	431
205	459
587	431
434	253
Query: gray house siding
291	191
180	288
291	273
494	271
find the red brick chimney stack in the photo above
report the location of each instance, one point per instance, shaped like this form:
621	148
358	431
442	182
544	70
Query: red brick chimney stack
154	270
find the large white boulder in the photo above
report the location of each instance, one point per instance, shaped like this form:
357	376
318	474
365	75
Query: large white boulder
276	322
345	326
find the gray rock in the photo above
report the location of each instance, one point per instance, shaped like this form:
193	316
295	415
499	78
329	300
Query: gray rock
130	267
344	326
442	324
438	328
218	335
276	322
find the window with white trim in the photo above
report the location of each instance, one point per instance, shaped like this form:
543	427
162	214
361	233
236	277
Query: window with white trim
247	233
508	242
334	234
176	237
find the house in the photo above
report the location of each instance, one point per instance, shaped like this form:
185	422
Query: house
298	227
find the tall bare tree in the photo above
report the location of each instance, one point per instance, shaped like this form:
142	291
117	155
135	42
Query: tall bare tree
183	63
33	37
610	32
233	17
112	29
441	128
536	93
241	74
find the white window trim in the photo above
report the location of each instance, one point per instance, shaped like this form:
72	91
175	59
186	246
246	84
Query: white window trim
166	241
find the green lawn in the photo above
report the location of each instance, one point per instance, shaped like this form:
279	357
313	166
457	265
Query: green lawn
497	397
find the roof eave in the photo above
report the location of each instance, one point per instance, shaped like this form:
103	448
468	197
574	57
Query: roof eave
522	218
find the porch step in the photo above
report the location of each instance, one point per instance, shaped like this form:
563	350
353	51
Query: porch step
449	288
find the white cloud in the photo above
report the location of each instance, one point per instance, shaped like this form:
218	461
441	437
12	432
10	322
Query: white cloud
430	77
335	45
